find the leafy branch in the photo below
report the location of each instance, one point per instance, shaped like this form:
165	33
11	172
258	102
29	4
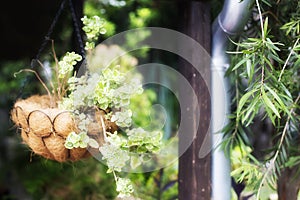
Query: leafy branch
266	85
272	163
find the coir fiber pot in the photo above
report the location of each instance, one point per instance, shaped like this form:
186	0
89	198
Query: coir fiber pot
45	128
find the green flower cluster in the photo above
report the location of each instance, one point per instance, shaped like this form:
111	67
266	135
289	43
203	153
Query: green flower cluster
82	91
136	148
115	157
138	145
81	140
113	90
65	66
141	141
122	119
93	27
124	187
109	89
77	140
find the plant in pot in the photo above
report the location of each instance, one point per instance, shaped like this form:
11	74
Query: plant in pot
87	114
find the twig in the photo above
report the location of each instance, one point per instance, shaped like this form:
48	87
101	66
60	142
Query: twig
51	83
103	128
261	21
59	84
38	77
273	15
288	58
115	176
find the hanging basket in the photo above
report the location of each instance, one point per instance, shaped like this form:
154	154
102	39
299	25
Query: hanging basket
45	129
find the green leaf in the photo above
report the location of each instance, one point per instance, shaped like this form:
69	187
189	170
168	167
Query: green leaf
293	160
251	111
270	115
278	99
268	62
239	64
269	104
266	26
249	69
272	46
244	100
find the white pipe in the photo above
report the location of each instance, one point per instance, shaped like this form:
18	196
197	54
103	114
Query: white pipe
230	22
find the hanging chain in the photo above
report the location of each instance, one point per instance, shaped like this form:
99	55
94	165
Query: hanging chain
34	61
42	47
54	22
77	29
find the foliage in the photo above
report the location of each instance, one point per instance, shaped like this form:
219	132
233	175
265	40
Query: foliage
246	168
266	81
67	63
93	27
54	180
160	184
92	8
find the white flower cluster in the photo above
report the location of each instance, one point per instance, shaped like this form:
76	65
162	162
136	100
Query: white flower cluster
115	139
65	66
83	122
107	90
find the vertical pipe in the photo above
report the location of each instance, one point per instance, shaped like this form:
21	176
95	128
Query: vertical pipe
229	23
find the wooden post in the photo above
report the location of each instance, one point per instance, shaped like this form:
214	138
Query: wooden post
195	172
289	183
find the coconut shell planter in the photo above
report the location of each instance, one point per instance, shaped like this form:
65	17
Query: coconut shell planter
45	129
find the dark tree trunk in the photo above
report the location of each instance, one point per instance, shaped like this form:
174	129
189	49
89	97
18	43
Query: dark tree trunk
289	184
195	172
